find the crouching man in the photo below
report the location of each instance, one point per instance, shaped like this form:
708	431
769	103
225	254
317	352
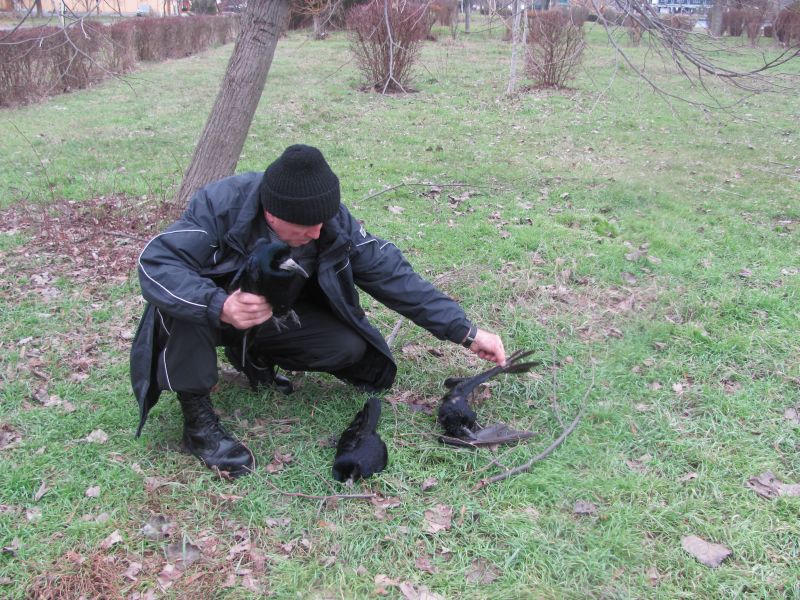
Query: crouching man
187	272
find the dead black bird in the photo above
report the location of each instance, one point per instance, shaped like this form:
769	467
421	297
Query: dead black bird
360	451
455	414
271	272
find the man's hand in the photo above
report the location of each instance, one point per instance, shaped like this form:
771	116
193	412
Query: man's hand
489	346
244	310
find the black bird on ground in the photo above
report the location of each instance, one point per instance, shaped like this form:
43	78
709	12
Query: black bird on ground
360	451
455	414
270	271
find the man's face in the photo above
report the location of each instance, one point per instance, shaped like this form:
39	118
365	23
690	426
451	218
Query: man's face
291	233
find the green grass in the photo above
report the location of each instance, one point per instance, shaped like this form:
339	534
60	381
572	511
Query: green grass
566	184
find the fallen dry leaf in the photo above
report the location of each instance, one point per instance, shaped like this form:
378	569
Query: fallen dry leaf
33	514
168	575
639	464
98	436
279	460
157	527
423	563
8	436
112	539
133	570
708	553
183	553
43	489
412	592
653	576
628	278
687	477
429	483
745	273
396	210
482	572
382	582
768	486
11	549
151	484
439	518
93	492
792	415
584	507
239	548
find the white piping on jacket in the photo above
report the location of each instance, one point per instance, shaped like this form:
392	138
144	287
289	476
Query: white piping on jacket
141	266
344	267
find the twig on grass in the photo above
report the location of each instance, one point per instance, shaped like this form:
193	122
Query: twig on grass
128	235
421	184
554	398
545	453
395	330
316	497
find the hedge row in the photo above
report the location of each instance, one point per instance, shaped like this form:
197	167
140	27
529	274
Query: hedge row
44	61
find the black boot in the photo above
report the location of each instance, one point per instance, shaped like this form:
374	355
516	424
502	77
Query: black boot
204	436
259	375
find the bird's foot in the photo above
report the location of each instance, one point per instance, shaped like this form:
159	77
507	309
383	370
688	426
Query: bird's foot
281	323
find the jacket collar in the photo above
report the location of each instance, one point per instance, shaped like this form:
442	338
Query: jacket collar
332	237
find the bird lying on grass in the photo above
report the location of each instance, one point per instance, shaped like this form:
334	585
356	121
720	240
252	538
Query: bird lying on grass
360	451
455	414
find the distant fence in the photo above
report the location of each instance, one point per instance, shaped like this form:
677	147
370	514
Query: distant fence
43	61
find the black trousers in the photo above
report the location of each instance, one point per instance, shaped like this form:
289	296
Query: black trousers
188	357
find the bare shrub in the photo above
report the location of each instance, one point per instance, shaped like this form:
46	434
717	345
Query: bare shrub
42	61
609	16
555	48
753	20
679	24
634	29
787	25
733	21
39	61
386	55
120	47
578	14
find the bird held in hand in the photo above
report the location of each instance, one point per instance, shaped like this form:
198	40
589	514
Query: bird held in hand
271	272
455	414
360	451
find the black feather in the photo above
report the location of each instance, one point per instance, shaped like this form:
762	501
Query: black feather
455	414
270	272
360	451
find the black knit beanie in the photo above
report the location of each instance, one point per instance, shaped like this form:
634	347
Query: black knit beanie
300	187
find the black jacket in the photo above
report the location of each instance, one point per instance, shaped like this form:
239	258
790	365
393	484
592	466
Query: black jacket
182	271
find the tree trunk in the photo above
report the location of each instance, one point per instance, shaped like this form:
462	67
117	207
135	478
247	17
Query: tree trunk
512	76
217	152
715	18
467	11
39	12
319	26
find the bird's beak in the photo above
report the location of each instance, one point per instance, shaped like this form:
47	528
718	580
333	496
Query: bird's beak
290	265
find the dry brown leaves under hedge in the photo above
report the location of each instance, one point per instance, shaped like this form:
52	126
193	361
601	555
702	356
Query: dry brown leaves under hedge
75	251
93	243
